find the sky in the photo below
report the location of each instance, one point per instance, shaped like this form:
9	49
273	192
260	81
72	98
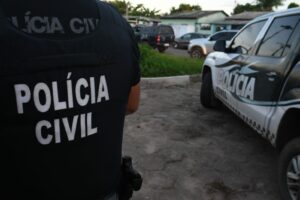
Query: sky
227	5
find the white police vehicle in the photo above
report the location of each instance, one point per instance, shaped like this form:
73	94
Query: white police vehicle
258	77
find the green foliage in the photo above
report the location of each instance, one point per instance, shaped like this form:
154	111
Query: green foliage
261	5
184	7
246	7
121	6
124	7
269	4
293	5
155	64
140	10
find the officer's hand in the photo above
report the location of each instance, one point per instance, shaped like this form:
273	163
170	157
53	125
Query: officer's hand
133	99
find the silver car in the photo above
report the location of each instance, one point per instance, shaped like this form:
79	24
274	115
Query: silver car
203	46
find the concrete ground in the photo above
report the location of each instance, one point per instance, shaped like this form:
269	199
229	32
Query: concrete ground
187	152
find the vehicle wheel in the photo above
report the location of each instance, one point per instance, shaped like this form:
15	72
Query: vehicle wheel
197	53
207	97
289	170
175	45
161	49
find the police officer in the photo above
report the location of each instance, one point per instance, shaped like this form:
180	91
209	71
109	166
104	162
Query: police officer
69	74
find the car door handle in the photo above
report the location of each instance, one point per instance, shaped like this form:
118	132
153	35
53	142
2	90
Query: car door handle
272	76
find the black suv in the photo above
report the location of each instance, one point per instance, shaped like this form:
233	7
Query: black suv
159	36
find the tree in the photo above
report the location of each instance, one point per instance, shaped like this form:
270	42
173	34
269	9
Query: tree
261	5
125	7
293	5
268	5
184	7
122	6
140	10
247	7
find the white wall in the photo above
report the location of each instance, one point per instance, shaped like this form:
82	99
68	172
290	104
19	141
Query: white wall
180	29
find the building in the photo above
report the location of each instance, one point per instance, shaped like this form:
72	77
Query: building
193	21
139	20
235	22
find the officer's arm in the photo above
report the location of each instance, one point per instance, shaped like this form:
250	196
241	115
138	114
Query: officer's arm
133	99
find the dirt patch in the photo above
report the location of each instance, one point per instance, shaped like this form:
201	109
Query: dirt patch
187	152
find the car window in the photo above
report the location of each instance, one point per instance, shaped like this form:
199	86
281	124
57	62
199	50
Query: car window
217	36
244	42
196	36
229	35
276	42
223	36
165	30
186	36
146	30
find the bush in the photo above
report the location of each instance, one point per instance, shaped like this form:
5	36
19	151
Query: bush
155	64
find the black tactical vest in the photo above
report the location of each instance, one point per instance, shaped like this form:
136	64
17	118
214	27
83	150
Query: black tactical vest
66	68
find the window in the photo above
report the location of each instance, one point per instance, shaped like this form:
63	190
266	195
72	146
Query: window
277	41
236	27
217	36
228	35
186	36
205	27
146	30
165	30
244	42
194	35
222	36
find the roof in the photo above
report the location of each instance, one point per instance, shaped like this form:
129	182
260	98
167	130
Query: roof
247	15
290	11
141	18
241	18
281	13
192	14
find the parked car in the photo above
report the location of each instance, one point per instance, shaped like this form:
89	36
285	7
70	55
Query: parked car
138	29
159	36
201	47
258	77
184	40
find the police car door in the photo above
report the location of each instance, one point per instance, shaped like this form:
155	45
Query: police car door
232	84
266	70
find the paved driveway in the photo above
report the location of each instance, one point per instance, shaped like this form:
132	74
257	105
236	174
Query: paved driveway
187	152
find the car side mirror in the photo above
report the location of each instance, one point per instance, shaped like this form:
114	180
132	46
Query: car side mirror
220	45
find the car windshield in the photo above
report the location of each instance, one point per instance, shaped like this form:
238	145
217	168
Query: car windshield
186	36
146	29
165	30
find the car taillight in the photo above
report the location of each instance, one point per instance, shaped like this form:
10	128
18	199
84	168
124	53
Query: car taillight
158	39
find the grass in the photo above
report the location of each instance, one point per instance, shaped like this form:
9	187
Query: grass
155	64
